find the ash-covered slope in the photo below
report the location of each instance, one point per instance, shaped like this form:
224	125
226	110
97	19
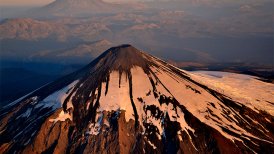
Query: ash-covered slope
127	101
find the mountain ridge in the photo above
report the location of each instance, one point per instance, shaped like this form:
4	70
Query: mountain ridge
82	8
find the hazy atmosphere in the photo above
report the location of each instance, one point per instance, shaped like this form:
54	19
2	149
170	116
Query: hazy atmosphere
136	76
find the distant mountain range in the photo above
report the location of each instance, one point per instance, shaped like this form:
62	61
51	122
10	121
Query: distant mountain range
82	52
161	33
82	8
61	30
194	34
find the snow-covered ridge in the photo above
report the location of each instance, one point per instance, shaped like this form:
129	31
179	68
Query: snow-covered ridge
193	97
245	89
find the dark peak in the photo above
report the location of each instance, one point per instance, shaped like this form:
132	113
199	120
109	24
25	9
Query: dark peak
125	51
122	46
123	57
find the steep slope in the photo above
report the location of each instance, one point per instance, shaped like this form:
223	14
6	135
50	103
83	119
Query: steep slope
127	101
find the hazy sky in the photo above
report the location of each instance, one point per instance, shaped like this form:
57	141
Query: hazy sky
23	2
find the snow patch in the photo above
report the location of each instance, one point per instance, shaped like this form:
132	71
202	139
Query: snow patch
56	100
95	128
197	104
245	89
151	144
117	98
26	114
62	117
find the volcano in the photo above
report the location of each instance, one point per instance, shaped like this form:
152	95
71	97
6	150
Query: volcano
81	8
127	101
